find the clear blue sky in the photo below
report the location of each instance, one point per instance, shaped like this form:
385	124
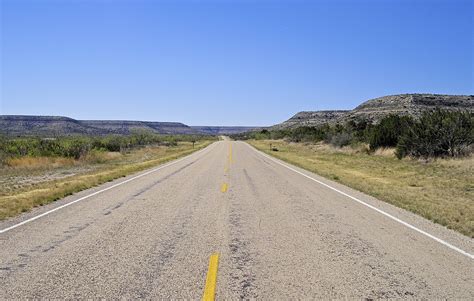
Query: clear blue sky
227	63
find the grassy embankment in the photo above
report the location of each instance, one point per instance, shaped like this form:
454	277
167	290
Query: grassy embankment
441	190
29	182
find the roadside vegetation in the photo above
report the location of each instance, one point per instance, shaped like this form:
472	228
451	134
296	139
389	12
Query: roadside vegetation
425	166
80	146
437	134
36	171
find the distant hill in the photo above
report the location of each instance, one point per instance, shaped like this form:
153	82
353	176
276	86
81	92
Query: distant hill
125	127
47	126
224	130
18	125
375	109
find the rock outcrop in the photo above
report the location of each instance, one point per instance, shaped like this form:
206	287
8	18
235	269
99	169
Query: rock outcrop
375	109
313	118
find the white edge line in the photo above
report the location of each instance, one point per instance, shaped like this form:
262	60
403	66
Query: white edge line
97	192
370	206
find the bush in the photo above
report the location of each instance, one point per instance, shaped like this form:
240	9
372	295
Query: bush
438	133
50	147
114	143
389	130
360	129
79	146
341	139
308	134
262	135
76	148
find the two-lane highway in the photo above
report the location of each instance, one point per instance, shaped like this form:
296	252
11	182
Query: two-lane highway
274	231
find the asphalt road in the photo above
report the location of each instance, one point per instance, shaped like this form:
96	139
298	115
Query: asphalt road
279	234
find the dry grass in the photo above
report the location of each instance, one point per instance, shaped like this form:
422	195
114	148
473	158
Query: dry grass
440	190
39	162
101	157
55	162
96	170
385	152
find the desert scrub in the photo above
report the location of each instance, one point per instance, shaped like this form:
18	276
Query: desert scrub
79	146
436	134
24	186
440	190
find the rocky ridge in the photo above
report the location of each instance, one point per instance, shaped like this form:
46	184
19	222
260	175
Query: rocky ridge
51	126
20	125
375	109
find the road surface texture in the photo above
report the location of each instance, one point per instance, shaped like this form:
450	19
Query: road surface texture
278	234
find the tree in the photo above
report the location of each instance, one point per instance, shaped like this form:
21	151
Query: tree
389	130
439	133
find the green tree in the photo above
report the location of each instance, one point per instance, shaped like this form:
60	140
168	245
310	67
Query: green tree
389	130
439	133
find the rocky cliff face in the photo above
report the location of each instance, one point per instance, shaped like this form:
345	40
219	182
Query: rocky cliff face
313	118
410	104
375	109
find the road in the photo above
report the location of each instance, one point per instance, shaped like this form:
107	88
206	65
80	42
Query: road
277	234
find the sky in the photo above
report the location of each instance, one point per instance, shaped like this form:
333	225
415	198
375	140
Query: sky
250	63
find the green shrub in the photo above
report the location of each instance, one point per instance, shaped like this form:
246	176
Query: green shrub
79	146
389	130
438	133
114	143
75	148
308	134
360	129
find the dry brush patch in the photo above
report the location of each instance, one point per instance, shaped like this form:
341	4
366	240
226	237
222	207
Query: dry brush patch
440	190
83	174
39	162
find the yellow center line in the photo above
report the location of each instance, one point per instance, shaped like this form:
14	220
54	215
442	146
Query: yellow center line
211	279
230	153
224	187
